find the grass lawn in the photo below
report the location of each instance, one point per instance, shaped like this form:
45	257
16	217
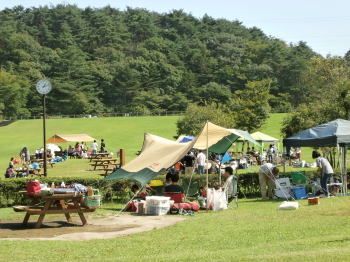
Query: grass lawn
255	231
118	132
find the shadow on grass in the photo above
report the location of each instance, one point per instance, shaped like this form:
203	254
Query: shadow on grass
31	225
337	240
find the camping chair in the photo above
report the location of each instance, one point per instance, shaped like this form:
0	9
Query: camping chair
176	197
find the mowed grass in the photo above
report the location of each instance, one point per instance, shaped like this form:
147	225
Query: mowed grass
255	231
118	132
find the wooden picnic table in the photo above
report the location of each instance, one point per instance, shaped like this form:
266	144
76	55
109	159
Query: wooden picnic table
65	203
41	161
99	156
103	162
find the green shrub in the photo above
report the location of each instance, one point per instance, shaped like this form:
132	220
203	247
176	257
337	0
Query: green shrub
248	186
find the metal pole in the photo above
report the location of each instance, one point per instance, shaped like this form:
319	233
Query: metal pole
345	171
207	163
44	133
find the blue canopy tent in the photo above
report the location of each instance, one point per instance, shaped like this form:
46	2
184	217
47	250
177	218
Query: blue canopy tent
332	134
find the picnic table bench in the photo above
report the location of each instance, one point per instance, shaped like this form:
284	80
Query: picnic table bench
41	161
55	204
104	163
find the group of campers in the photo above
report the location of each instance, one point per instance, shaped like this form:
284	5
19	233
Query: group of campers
268	173
173	189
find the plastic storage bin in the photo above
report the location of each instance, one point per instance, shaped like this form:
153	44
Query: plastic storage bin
157	205
93	201
299	192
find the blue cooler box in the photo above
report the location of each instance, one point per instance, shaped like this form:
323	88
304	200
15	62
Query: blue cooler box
299	192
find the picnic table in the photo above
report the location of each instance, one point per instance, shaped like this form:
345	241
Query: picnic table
41	161
65	203
99	156
104	163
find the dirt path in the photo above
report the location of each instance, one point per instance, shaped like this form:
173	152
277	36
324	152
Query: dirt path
101	228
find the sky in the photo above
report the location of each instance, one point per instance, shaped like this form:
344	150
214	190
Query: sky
323	24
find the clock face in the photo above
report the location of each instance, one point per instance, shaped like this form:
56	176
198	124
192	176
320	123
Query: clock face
43	86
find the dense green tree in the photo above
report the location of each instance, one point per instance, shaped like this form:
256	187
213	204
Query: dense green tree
251	105
326	95
120	61
196	116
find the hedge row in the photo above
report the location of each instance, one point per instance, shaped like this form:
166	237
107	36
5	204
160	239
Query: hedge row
248	186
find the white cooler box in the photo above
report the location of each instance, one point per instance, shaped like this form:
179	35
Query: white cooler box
157	205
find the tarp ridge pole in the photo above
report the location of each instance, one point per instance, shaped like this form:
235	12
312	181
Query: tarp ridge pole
130	201
207	160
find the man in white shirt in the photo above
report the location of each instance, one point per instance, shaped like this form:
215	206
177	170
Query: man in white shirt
267	176
325	168
201	158
94	147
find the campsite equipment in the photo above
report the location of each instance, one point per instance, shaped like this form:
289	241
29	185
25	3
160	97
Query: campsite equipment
332	134
216	199
140	210
33	187
94	200
288	205
298	178
156	183
157	205
299	192
313	200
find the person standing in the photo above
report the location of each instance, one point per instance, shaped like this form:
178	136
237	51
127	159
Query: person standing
103	146
325	168
201	158
94	147
267	176
189	163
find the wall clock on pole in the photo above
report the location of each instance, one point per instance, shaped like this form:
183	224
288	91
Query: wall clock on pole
43	86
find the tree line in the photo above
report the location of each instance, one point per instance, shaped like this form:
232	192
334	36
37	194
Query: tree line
108	60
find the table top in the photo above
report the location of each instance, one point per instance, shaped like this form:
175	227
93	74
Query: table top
105	160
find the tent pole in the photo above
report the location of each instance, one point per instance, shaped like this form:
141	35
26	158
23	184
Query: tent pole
207	161
130	201
345	179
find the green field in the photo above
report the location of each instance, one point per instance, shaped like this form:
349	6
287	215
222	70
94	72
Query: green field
255	231
118	132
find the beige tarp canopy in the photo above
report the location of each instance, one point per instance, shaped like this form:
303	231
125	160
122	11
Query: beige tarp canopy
58	138
261	137
157	154
219	139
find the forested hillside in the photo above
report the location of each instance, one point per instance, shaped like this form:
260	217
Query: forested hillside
107	60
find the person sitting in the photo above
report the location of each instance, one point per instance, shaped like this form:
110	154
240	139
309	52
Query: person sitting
174	187
168	179
230	186
10	172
